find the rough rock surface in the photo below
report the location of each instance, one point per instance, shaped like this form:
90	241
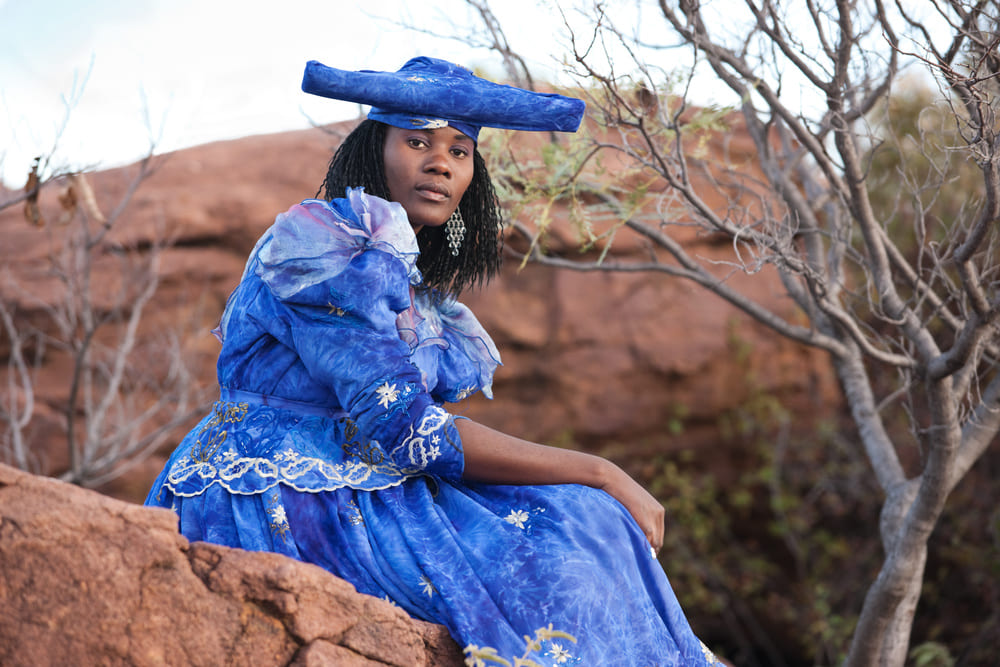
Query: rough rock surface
89	580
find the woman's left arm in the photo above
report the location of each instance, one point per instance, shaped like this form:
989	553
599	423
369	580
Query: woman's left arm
498	458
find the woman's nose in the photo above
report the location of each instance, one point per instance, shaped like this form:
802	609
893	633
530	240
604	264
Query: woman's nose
438	163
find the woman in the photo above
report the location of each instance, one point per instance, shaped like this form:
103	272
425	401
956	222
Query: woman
339	347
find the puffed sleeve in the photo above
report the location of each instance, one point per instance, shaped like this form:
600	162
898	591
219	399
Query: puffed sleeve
339	316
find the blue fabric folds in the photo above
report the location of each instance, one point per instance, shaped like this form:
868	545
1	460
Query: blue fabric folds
330	443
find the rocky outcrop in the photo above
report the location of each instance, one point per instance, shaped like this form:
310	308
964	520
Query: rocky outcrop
626	364
89	580
636	366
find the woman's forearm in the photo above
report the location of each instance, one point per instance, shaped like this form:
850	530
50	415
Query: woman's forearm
497	458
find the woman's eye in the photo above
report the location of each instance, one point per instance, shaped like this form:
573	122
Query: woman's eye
415	142
459	152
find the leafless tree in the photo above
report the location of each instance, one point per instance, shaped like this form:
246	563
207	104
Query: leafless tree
908	318
127	390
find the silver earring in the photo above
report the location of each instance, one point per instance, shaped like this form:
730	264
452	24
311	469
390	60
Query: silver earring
454	229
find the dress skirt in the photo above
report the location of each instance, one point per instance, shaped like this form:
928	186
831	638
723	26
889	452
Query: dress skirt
497	565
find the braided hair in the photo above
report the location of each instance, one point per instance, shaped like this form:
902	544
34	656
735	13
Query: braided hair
359	162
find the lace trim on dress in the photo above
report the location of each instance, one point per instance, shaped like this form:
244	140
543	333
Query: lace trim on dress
219	455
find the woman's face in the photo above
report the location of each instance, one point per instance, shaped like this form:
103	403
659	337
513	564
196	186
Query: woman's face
427	172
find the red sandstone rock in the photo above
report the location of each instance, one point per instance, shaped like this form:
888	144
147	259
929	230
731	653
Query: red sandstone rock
594	360
89	580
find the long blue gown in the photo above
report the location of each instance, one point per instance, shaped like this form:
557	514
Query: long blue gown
330	444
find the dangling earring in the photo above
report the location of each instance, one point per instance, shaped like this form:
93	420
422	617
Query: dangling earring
454	229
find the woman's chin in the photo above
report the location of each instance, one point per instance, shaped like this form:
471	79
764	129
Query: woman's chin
421	223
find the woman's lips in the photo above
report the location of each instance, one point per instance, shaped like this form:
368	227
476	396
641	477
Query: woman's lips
433	192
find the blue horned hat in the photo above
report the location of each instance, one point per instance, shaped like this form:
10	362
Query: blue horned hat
428	93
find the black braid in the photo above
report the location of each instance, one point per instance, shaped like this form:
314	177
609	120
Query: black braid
359	162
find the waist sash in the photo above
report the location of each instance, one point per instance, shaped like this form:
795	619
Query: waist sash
240	396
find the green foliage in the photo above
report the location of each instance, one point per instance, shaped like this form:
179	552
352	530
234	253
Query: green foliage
922	186
931	654
919	182
588	177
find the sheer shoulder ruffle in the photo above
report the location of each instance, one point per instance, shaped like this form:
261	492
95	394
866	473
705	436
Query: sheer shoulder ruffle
445	335
316	240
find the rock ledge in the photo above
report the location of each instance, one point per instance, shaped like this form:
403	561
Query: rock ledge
87	579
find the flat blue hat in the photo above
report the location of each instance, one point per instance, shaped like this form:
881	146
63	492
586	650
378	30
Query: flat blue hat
428	93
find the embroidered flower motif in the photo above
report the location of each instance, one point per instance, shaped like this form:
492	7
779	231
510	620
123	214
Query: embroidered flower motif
427	586
387	394
355	514
560	654
279	520
517	518
278	515
433	452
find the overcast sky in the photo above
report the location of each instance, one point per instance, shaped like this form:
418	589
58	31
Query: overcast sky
191	71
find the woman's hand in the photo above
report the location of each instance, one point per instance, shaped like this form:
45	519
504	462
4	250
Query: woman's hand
497	458
647	511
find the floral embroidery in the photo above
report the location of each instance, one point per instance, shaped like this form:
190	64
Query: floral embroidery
211	436
477	656
355	514
560	654
279	519
465	392
432	422
387	394
395	396
427	586
517	518
414	446
369	453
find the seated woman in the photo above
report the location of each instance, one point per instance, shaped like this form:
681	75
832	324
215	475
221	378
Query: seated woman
330	442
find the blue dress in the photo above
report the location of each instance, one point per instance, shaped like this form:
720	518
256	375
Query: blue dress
330	444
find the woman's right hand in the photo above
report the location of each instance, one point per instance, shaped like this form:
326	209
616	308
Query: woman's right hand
647	511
